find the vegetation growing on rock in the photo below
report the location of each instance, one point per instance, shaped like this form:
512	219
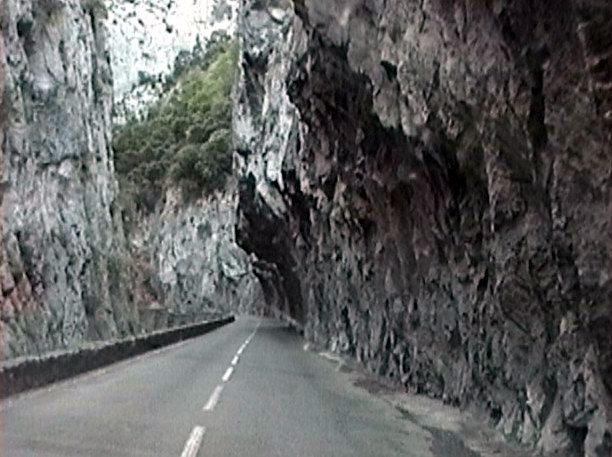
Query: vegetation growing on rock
185	140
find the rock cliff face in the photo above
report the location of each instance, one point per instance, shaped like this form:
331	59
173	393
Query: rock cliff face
427	186
61	255
148	38
194	262
266	129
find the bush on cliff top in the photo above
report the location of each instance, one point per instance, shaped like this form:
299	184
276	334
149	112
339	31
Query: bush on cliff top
185	140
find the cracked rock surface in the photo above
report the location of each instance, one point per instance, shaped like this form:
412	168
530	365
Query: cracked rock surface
426	186
193	260
61	237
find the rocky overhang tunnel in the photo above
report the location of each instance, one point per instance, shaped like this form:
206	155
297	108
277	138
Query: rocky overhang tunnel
421	188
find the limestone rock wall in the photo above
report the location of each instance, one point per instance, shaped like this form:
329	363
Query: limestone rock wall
266	133
147	37
61	254
195	263
426	186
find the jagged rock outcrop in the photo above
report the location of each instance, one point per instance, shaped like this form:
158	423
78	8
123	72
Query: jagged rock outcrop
266	136
427	186
148	38
195	263
62	247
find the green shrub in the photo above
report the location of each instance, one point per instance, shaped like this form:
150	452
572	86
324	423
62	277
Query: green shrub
198	57
204	166
184	141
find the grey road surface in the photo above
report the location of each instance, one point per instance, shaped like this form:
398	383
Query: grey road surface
248	389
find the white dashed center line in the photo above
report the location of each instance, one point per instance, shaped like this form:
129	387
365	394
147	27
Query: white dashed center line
228	374
194	442
216	395
214	399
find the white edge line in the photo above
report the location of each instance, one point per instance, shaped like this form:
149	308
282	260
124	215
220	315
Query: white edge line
214	399
228	374
194	442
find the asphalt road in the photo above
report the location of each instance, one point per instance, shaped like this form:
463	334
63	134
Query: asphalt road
247	389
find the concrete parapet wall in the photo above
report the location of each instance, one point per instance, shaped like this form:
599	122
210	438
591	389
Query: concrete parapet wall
27	373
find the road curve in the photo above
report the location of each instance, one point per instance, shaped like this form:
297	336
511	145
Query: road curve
247	389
